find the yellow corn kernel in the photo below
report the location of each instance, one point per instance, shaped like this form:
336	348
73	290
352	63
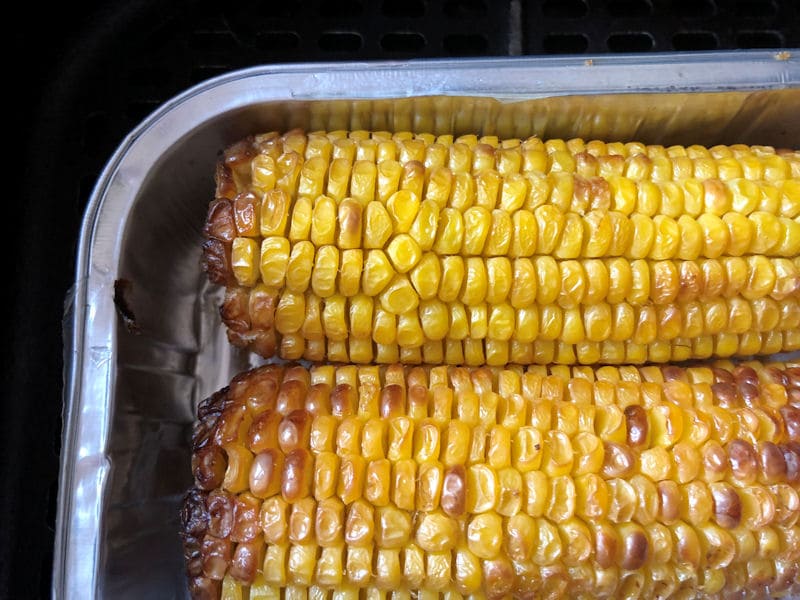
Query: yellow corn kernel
475	284
485	535
426	276
462	190
243	261
377	273
571	241
423	229
561	499
404	253
326	269
452	275
501	322
290	314
499	279
339	172
498	241
477	224
550	222
450	235
434	319
363	181
429	488
299	267
403	207
403	484
641	284
548	546
413	567
387	570
572	330
389	174
350	224
409	330
378	225
436	532
458	326
377	480
563	190
481	489
590	453
598	234
558	456
548	280
323	221
691	243
274	258
399	296
350	272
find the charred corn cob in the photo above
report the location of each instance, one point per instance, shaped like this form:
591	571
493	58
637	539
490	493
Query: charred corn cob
450	482
369	247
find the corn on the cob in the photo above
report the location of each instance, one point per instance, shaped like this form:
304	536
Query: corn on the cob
370	247
449	482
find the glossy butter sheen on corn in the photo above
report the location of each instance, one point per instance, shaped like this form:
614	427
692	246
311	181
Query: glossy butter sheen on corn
448	482
375	247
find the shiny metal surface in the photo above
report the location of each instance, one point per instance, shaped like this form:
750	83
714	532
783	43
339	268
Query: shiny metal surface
130	399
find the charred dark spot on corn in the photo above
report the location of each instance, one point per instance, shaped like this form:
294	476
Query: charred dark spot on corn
791	417
637	427
634	547
743	460
226	186
727	505
240	152
194	515
204	588
454	491
217	261
209	467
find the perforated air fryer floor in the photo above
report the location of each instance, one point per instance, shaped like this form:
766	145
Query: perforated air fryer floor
83	76
575	26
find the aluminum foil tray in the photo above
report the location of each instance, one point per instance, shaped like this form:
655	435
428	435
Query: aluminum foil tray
131	391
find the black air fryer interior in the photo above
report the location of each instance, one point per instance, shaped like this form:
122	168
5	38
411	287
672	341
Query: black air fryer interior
81	75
